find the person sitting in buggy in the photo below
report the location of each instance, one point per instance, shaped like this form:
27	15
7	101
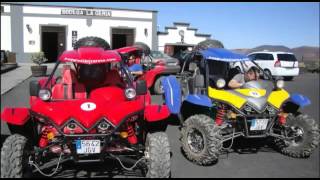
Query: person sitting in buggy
252	74
135	68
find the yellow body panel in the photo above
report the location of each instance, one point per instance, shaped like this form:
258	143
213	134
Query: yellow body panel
277	97
226	96
252	92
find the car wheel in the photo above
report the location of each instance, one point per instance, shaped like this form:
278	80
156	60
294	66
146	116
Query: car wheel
305	133
158	155
201	139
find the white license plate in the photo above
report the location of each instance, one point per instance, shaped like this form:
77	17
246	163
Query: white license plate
258	124
88	146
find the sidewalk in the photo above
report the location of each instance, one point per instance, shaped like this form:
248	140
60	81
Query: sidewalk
14	77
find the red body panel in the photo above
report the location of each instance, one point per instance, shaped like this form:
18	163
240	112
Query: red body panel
156	112
90	55
128	49
16	116
109	102
150	75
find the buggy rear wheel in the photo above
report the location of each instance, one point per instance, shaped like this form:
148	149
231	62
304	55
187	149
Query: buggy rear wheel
15	157
305	133
157	87
201	139
92	41
158	155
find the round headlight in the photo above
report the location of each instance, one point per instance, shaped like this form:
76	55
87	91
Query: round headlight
130	93
220	83
44	94
280	84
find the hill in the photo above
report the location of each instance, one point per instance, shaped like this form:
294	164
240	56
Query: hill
305	53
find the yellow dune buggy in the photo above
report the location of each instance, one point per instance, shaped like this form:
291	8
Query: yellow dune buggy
213	115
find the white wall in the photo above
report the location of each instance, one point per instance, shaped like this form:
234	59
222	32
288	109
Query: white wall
174	37
115	13
99	27
5	33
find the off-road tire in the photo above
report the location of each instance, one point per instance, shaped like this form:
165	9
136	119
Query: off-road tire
310	137
157	86
158	148
145	48
13	157
92	41
212	139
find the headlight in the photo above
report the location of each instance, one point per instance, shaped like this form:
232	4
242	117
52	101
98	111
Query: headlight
280	84
44	94
130	93
220	83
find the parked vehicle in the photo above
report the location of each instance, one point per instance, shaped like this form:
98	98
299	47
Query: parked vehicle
213	116
276	64
86	115
172	64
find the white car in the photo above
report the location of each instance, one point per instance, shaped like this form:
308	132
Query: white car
276	64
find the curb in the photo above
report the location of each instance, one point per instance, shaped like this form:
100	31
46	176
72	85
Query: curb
8	67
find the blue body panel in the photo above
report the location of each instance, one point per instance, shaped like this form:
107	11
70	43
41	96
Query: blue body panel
198	99
172	93
300	99
220	54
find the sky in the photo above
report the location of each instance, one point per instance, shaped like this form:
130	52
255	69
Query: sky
235	24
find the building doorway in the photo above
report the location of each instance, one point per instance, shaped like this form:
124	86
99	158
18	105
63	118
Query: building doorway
121	37
53	40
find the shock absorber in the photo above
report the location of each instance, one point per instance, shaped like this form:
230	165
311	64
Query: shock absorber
43	142
220	115
132	138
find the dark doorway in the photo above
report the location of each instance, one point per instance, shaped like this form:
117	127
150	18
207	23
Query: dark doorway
50	45
119	40
122	37
53	40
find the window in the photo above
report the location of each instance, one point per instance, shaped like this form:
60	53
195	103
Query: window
264	56
252	57
286	57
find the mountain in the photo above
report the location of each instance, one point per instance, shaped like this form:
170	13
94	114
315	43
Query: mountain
307	52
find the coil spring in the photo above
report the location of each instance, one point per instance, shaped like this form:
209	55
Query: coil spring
44	140
132	138
220	115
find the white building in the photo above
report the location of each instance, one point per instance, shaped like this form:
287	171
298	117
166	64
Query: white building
26	28
179	37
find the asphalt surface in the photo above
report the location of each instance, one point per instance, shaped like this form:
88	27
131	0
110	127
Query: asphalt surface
255	159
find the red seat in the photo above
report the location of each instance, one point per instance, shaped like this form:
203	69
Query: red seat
69	87
113	79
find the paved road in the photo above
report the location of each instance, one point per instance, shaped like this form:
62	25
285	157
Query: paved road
263	163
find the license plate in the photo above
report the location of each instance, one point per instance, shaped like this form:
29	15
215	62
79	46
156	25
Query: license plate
258	124
88	146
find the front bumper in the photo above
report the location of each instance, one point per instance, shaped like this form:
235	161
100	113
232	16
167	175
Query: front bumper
283	71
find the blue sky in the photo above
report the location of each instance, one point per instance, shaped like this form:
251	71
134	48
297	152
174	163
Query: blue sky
235	24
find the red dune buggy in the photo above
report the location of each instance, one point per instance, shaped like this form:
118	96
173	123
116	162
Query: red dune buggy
152	72
88	114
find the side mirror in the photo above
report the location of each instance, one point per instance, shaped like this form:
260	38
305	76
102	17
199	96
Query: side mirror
192	67
34	88
199	81
141	87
